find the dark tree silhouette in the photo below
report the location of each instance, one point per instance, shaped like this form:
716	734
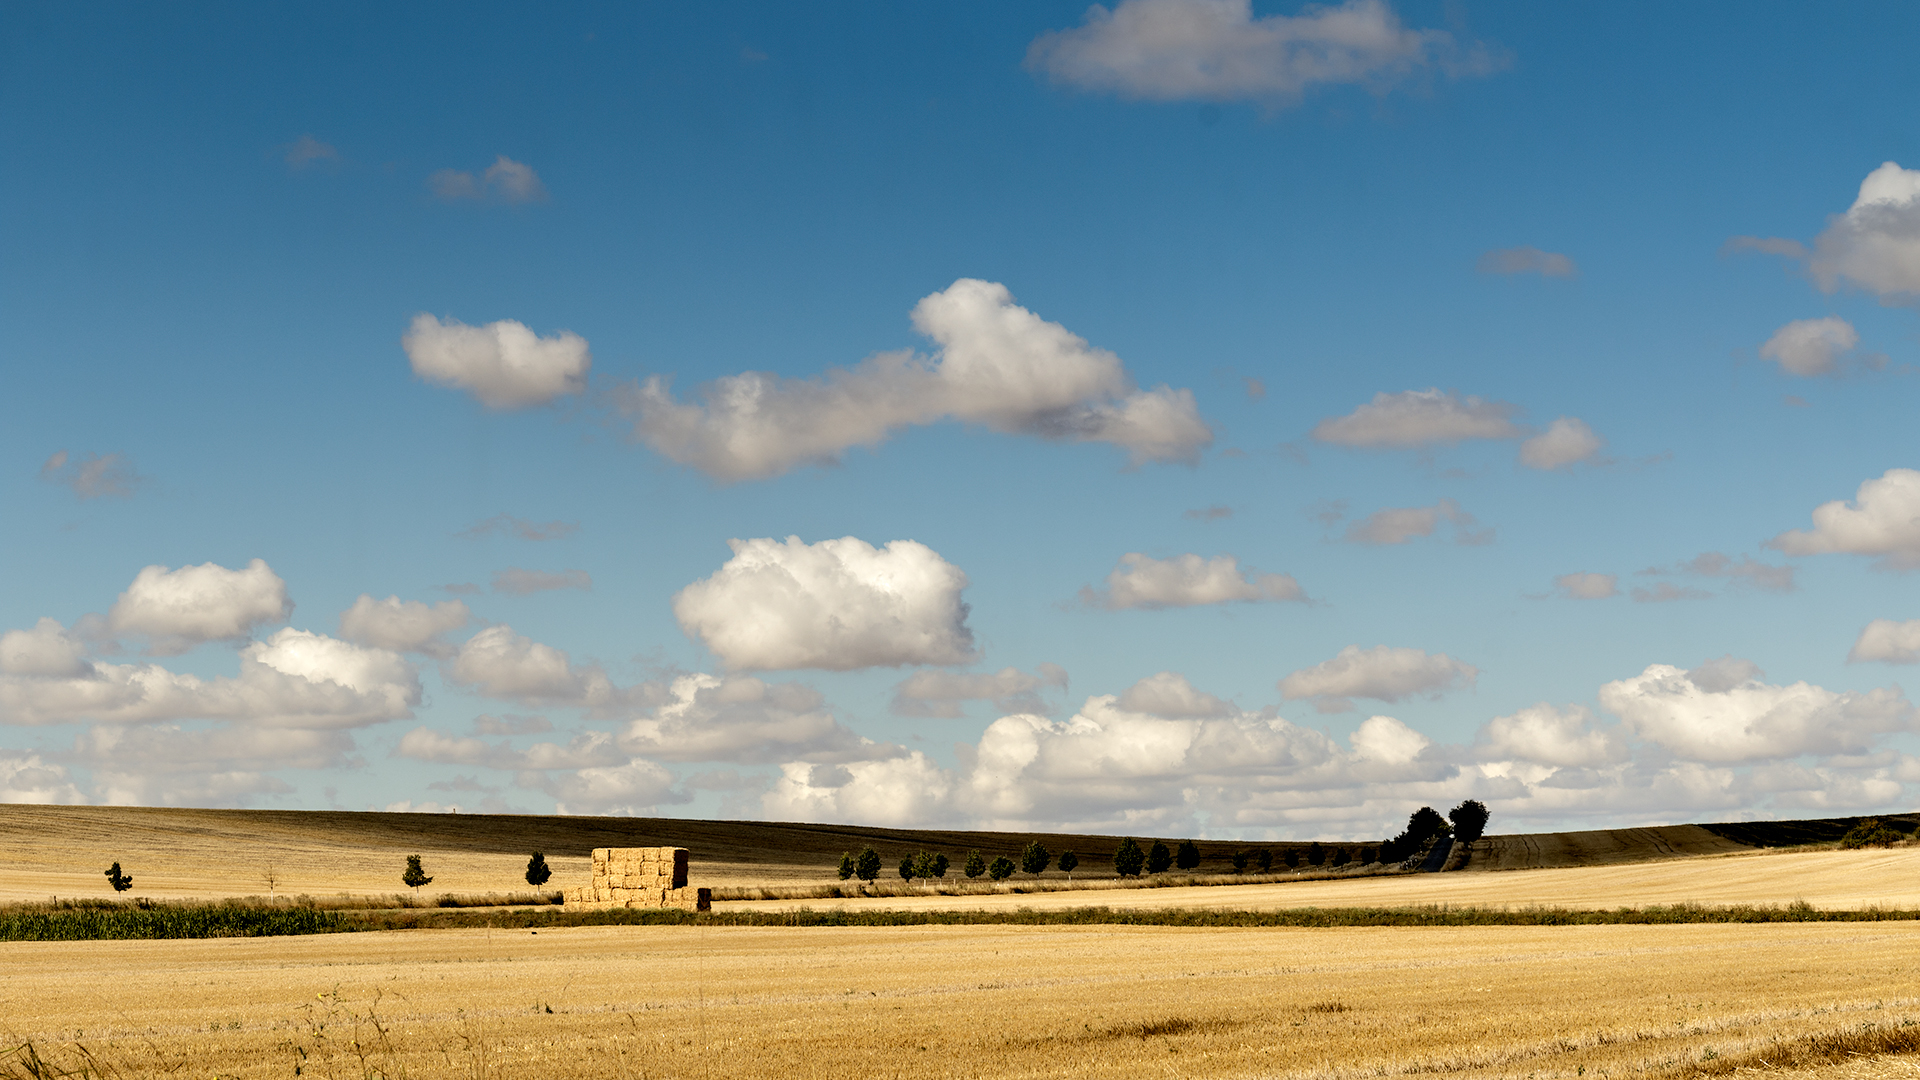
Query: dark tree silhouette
1128	860
1159	859
1240	859
1000	869
1469	820
1068	860
1340	857
1188	856
1316	855
537	870
413	876
976	864
1264	860
906	868
846	865
1293	858
1036	858
120	882
866	865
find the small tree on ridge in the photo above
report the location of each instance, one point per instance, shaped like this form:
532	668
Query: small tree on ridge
120	882
413	876
976	864
1128	860
538	871
1068	860
1036	858
866	865
1000	869
1158	858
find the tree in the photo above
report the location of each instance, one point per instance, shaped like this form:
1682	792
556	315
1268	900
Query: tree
1158	858
1128	860
866	865
846	865
1264	860
1316	855
1366	855
1425	824
1188	857
1068	860
1340	857
414	876
1871	832
1469	820
537	870
270	877
1293	858
1036	858
976	864
120	882
1000	869
940	864
1240	859
906	868
929	865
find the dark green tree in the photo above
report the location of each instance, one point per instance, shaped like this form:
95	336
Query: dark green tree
1000	869
1871	832
120	882
1264	860
1158	858
846	865
976	864
1240	859
1128	860
1425	824
1316	855
413	876
1340	857
1366	855
866	865
1469	820
1293	858
940	864
1188	857
537	870
1036	858
907	868
1068	860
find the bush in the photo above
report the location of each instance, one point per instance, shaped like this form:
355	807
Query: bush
1871	832
866	865
537	870
976	865
1188	857
1316	855
1293	858
413	876
1068	860
1000	869
1469	820
1340	857
1263	860
1240	860
1129	859
846	865
120	882
1159	859
1366	856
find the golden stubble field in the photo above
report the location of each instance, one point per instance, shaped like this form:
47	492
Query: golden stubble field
979	1001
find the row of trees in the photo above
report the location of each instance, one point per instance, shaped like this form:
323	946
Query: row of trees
928	865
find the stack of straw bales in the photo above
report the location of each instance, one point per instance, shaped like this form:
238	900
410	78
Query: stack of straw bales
639	878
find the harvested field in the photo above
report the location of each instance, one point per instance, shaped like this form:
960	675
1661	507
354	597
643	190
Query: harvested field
1670	1001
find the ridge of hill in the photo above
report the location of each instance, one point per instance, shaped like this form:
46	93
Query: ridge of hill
53	850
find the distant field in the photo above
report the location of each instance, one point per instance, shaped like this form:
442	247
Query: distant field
670	1002
60	850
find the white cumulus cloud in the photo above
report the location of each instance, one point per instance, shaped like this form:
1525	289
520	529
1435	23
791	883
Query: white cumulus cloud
743	720
179	609
26	778
942	694
1883	521
1875	245
1882	639
1722	713
1383	673
631	789
998	365
1420	418
1567	441
1140	581
403	625
1809	347
47	650
1217	50
1546	735
503	364
1169	695
839	605
502	664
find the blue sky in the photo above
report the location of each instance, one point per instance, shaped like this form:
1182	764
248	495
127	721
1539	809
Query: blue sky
1193	417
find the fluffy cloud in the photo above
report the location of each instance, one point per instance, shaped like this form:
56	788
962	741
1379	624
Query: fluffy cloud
998	365
1169	695
1382	673
1722	713
170	750
25	778
1526	260
1139	581
92	476
515	581
500	663
1216	50
589	750
520	528
403	625
1875	245
1568	738
743	720
506	180
1882	639
1883	521
838	604
1809	347
941	694
1585	586
46	650
294	679
634	788
179	609
504	364
1420	418
1399	524
1566	441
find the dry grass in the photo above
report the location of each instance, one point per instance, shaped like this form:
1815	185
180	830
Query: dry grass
1671	1001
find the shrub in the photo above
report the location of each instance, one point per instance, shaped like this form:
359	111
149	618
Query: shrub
1316	855
1158	858
1871	832
537	870
846	865
1036	858
976	864
1240	860
1340	857
1128	860
413	876
1000	869
866	865
1264	860
1469	820
1188	857
1293	858
120	882
1068	860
